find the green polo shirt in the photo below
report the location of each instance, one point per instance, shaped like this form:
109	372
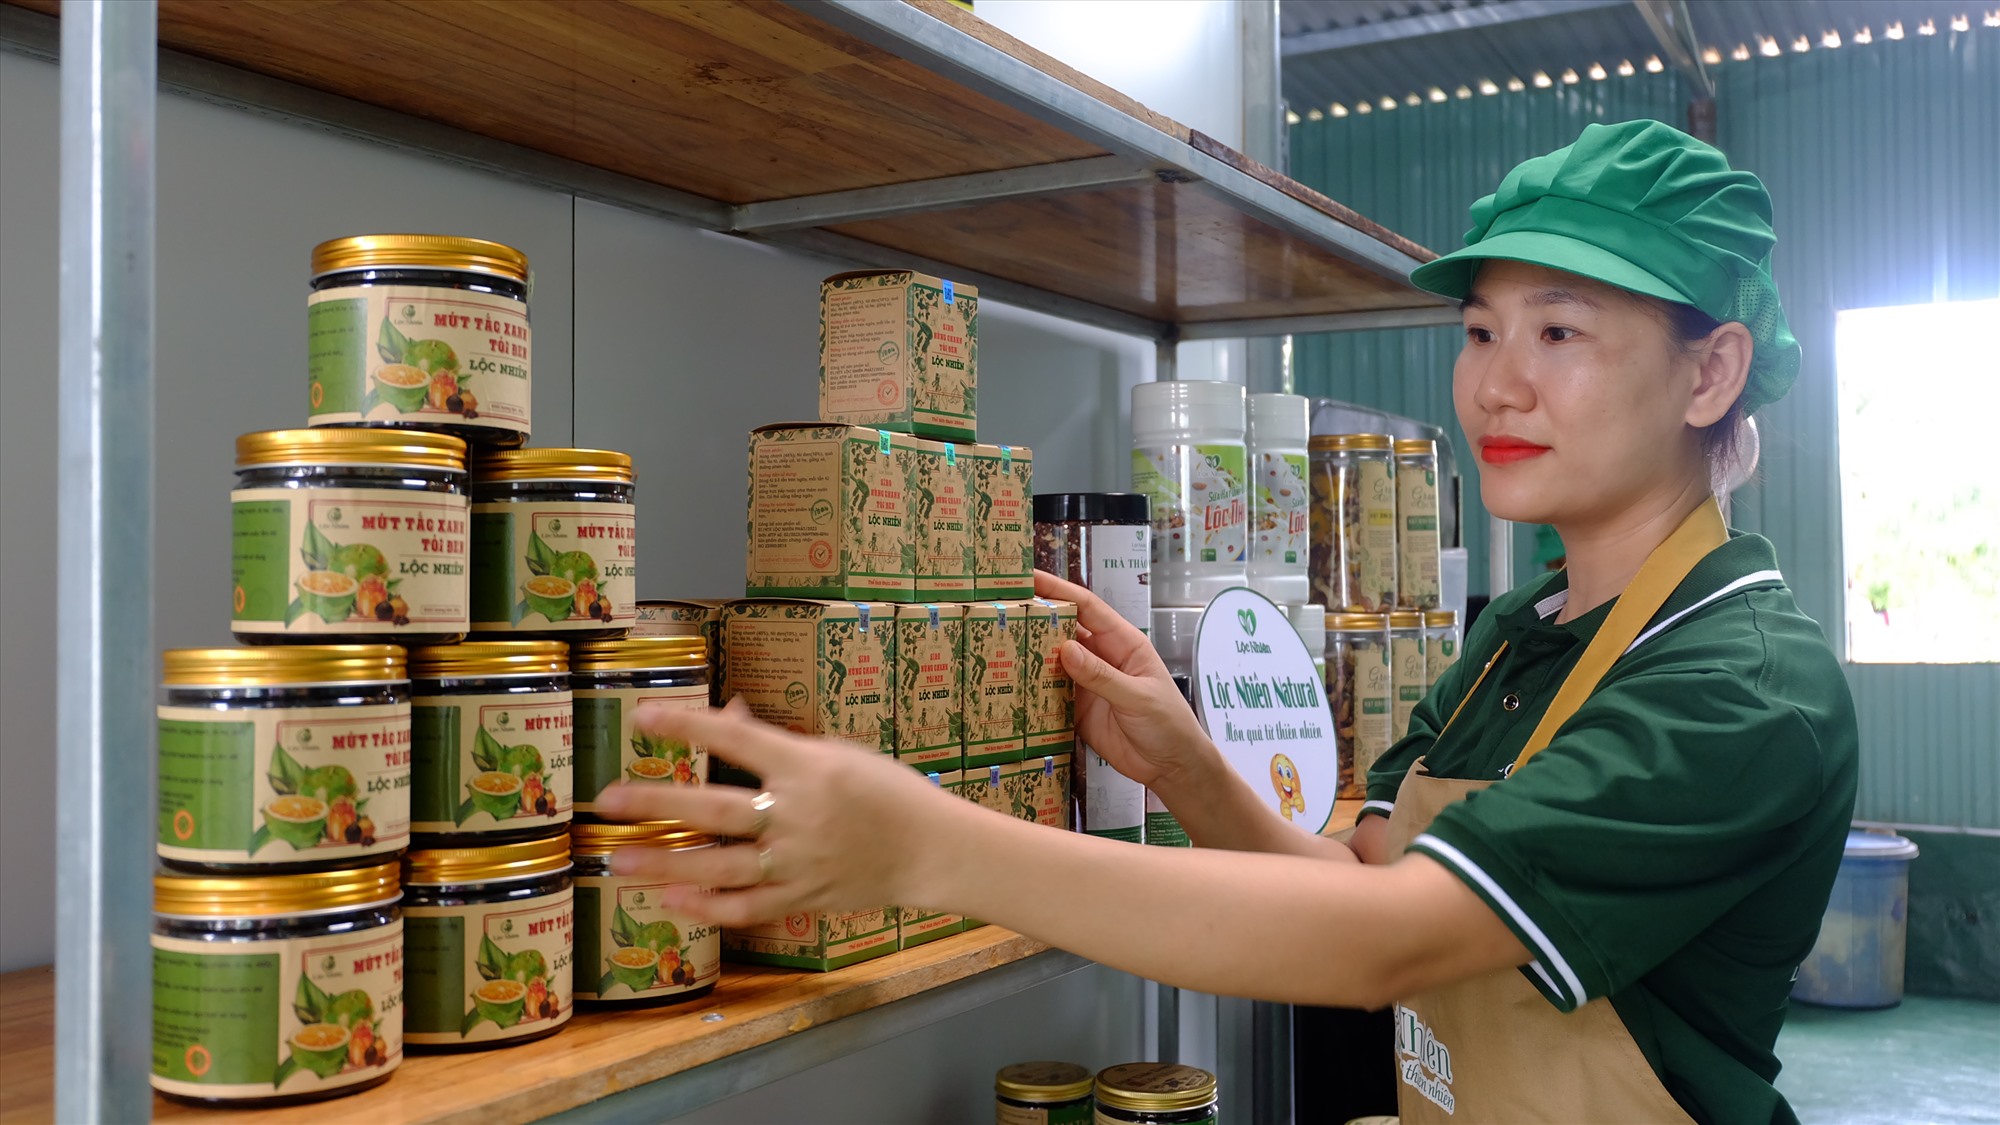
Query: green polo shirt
1674	846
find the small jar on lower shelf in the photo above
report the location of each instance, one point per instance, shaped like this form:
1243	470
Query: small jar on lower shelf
1042	1093
630	947
1155	1094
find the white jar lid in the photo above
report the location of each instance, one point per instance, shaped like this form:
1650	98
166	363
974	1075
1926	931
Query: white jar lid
1280	420
1310	623
1179	404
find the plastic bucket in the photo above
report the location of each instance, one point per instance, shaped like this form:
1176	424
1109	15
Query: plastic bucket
1858	960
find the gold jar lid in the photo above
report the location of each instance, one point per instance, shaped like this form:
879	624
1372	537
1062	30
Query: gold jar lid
1440	618
335	445
1416	447
1358	622
282	666
1044	1082
554	464
489	658
1331	442
1155	1087
638	653
419	251
265	896
1406	619
603	839
436	866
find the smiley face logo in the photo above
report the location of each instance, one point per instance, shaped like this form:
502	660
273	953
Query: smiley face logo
1291	792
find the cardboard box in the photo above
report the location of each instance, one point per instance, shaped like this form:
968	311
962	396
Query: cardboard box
996	713
816	940
816	667
899	350
918	925
687	617
1044	783
1003	490
941	509
1051	696
830	514
930	686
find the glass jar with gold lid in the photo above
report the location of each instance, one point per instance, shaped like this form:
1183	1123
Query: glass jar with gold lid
1360	687
492	742
1408	680
1417	539
1155	1094
349	535
632	946
554	544
421	330
1042	1093
1352	560
612	680
1441	642
490	943
276	989
293	757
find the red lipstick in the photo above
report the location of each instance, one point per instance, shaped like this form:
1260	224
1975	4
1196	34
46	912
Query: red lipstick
1505	450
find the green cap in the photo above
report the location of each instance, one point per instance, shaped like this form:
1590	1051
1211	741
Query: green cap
1647	208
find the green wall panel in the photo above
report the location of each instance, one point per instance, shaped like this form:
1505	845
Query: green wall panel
1884	167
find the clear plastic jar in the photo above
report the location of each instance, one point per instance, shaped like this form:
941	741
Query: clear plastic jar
349	535
610	680
492	741
286	758
1156	1094
421	330
1407	676
630	948
1101	541
554	545
272	990
1418	558
1280	517
1309	621
1353	523
490	943
1360	686
1441	643
1188	459
1042	1093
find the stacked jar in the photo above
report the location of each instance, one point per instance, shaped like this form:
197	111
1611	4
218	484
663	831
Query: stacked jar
1360	687
632	945
1441	644
1408	678
1280	520
1418	555
1354	564
1190	462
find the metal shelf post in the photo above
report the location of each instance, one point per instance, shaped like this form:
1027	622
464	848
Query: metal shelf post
104	648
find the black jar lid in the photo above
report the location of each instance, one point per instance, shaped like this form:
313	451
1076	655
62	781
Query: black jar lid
1091	507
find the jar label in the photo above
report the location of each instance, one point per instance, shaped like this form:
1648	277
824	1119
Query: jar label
491	763
1373	540
1362	693
1440	653
1069	1113
1113	805
489	970
1200	504
284	784
1417	538
1279	514
630	947
333	561
263	1019
418	355
611	747
1121	559
1163	828
541	568
1406	657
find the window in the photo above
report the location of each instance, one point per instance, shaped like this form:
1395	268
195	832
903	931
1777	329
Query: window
1919	390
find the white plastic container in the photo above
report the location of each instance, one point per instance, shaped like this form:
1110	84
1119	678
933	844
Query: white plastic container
1309	621
1189	458
1280	501
1173	636
1858	960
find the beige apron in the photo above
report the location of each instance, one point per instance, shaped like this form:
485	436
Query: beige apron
1493	1049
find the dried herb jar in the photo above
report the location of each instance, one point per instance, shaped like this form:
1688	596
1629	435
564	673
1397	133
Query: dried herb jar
1155	1094
1406	671
1101	541
285	758
274	990
1360	685
631	949
492	742
553	541
421	330
611	680
349	535
1353	564
1042	1093
489	944
1418	556
1441	643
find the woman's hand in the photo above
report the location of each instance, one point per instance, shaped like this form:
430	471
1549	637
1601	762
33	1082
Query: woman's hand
1127	707
844	828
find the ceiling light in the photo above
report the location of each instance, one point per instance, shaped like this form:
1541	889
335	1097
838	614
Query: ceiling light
1387	102
1711	56
1516	85
1437	95
1542	80
1864	36
1626	69
1741	53
1571	77
1802	44
1961	23
1413	98
1463	92
1928	27
1364	107
1768	47
1292	118
1654	65
1339	110
1486	86
1829	39
1596	72
1992	18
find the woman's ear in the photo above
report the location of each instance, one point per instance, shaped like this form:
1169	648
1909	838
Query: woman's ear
1722	367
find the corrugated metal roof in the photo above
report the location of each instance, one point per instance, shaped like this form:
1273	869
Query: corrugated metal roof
1572	38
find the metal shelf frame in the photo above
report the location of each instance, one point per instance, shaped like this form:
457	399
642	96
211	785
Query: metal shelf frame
112	70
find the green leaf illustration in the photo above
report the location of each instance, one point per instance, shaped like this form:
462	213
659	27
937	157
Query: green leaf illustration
285	1070
317	549
624	927
508	1017
658	936
465	811
259	838
295	610
391	344
286	775
527	965
487	752
492	961
955	723
310	1002
604	986
372	399
472	1019
521	611
541	559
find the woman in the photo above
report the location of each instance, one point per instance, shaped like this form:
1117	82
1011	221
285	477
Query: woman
1591	869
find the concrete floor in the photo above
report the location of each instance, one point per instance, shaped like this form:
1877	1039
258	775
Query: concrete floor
1930	1061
